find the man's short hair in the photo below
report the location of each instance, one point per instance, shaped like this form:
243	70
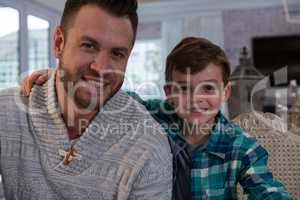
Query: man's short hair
196	54
119	8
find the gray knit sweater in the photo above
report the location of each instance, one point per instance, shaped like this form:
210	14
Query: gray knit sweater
123	153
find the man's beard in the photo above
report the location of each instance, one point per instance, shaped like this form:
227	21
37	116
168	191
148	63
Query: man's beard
74	84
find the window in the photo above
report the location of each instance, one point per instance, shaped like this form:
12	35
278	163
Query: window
9	47
38	34
24	39
144	71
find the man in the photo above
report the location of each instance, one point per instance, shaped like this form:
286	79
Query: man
80	137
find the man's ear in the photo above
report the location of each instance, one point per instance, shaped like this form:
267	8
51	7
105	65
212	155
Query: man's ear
227	92
59	42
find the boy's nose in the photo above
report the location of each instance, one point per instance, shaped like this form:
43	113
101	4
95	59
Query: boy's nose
196	97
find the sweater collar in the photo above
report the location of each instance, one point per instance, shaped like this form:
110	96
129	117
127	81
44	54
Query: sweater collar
51	133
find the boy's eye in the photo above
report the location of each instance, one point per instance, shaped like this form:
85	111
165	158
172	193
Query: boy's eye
208	88
184	89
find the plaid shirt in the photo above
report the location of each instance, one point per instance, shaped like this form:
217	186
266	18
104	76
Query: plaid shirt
230	157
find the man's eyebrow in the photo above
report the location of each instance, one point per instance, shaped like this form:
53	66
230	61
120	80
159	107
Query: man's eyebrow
96	43
90	39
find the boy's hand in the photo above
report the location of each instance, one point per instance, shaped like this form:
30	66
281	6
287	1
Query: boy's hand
38	77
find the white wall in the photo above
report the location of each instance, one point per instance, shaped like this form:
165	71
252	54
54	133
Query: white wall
202	18
57	5
182	18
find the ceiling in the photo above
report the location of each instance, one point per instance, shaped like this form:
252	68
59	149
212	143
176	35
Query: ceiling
58	5
151	10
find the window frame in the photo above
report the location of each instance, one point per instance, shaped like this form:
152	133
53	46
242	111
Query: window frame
25	8
151	31
146	79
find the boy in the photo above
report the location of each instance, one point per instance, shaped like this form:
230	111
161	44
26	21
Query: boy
211	154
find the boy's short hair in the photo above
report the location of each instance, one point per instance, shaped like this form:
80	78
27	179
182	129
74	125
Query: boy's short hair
196	54
119	8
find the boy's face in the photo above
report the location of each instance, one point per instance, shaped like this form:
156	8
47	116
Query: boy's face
198	97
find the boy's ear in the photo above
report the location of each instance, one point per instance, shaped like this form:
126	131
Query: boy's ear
59	42
227	92
167	89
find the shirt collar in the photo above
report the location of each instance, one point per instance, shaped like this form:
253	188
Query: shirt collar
221	136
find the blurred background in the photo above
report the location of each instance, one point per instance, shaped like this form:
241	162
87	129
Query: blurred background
259	37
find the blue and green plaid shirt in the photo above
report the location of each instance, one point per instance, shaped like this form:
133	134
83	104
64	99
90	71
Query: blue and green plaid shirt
229	157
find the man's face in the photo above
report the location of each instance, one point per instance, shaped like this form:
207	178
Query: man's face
93	56
197	97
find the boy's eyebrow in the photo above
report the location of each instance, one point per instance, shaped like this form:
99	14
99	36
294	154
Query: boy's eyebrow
209	81
181	82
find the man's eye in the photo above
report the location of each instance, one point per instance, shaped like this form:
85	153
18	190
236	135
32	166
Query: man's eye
118	54
87	45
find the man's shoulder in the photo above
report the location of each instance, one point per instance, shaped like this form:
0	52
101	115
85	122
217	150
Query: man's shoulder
124	109
124	103
127	109
132	102
150	104
152	134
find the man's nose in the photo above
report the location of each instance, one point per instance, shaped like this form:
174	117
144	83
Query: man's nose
101	62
